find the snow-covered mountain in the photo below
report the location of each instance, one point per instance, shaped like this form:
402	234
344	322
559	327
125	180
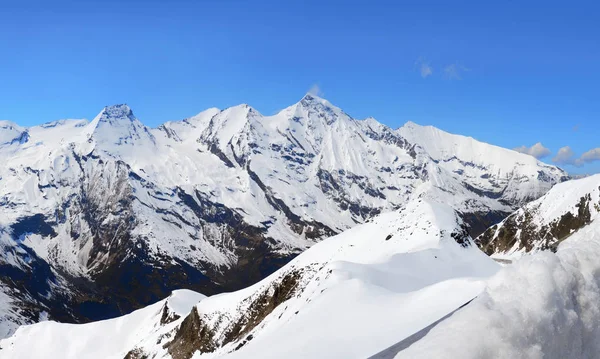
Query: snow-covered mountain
409	280
545	304
544	223
112	338
345	297
100	218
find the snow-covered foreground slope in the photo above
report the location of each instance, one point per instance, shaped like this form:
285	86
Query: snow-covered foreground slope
366	290
545	305
543	223
346	297
112	338
109	215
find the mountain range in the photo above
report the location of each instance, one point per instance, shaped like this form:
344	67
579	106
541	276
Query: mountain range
398	286
101	218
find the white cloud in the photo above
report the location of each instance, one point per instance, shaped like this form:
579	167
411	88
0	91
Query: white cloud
315	90
590	156
454	71
565	156
538	150
424	68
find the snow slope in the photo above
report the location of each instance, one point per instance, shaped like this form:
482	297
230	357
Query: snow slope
112	338
221	200
345	297
367	290
543	223
492	170
544	305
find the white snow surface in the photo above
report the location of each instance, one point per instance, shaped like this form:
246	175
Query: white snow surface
358	292
315	158
372	295
563	198
485	166
107	339
363	291
544	305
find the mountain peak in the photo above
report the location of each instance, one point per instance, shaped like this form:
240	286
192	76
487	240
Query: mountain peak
120	111
410	124
12	133
311	103
118	125
312	99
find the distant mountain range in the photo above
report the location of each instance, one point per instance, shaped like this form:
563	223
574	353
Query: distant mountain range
100	218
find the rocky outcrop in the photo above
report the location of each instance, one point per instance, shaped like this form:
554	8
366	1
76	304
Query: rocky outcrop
543	224
192	335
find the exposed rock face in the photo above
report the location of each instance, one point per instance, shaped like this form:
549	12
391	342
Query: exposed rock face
479	222
110	215
192	335
544	223
263	305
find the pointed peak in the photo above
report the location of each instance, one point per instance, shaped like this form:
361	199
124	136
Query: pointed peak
116	112
311	98
245	109
11	133
314	102
117	125
372	122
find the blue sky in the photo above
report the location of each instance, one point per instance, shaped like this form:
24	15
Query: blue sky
512	73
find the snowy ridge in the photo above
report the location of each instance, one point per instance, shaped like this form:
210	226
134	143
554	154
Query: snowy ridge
113	338
221	200
542	306
514	178
544	223
11	133
385	272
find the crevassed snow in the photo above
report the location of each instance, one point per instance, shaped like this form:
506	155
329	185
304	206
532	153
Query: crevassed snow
543	306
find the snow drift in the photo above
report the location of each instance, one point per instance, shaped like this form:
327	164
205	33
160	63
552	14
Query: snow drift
543	306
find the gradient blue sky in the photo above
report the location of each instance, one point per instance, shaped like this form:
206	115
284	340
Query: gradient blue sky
511	73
